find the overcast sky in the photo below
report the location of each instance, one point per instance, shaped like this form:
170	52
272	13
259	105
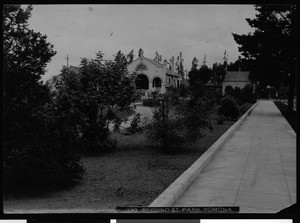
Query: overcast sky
196	30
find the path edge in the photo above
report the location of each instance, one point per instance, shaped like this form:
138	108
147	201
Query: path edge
168	197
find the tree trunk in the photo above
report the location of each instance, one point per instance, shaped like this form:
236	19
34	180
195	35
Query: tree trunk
292	80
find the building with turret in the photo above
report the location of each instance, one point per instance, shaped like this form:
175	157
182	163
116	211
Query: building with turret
153	75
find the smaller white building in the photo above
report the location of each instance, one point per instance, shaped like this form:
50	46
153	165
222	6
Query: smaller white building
152	75
235	79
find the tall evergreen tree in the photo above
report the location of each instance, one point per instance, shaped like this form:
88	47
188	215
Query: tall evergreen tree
179	65
38	143
272	46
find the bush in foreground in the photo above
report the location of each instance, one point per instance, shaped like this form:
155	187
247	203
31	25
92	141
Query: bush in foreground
172	125
228	108
43	154
247	94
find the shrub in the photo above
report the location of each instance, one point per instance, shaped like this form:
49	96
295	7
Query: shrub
183	90
220	119
164	127
228	90
173	125
44	152
245	107
247	94
195	117
228	108
236	94
151	102
134	125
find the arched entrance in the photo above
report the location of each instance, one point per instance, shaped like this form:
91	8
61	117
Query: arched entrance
142	82
156	82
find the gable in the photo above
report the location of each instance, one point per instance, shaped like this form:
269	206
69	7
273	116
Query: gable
237	76
141	64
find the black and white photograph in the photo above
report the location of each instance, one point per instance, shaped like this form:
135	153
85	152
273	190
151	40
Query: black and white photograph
149	108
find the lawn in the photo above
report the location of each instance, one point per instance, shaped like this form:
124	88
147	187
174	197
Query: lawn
134	174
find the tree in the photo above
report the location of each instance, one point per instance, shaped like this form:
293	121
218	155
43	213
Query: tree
218	73
239	64
177	121
39	148
204	73
158	57
103	89
225	59
198	78
179	65
25	55
130	57
204	60
194	63
271	48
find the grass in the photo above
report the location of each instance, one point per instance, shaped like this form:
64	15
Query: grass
291	118
134	174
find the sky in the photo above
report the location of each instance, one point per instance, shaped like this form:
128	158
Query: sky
80	31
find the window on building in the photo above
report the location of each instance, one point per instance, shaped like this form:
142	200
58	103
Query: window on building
141	67
142	82
156	83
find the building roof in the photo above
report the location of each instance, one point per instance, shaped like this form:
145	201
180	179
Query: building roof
237	76
58	77
169	72
75	69
157	64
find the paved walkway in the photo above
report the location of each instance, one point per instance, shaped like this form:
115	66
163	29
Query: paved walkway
255	169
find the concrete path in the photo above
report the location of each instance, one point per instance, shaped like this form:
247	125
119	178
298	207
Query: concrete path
255	169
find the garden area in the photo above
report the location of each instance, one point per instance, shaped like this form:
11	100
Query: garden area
133	174
137	169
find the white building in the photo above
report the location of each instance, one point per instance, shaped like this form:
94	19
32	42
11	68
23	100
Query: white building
152	75
235	79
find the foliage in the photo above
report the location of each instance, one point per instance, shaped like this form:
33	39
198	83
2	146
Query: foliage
40	141
164	127
220	119
195	116
247	94
198	78
158	57
151	102
130	57
44	154
177	123
245	107
173	95
235	93
218	73
25	55
228	90
271	47
134	125
103	89
239	64
183	91
228	108
179	65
